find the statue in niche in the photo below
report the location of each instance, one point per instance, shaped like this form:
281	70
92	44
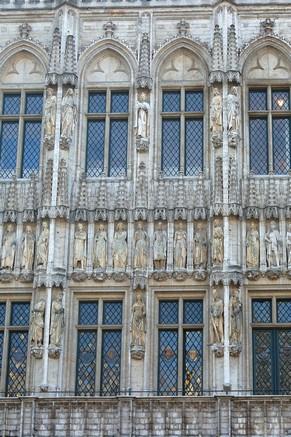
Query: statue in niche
273	242
216	312
141	247
235	310
50	109
68	114
253	247
233	110
119	247
37	323
180	247
216	113
138	322
101	247
217	243
80	248
288	245
28	242
42	246
160	247
8	248
200	247
57	321
142	116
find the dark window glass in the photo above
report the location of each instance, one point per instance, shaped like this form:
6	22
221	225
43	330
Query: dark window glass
118	147
262	310
17	355
31	147
193	311
194	146
33	103
262	352
193	358
171	101
20	313
8	148
111	361
88	313
2	313
281	145
284	361
97	102
258	100
1	350
259	145
171	146
119	101
284	311
280	100
168	363
168	312
112	313
95	147
11	104
86	363
194	101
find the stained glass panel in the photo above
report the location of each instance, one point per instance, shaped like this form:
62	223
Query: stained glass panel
95	147
193	312
8	148
119	101
33	103
168	312
284	311
88	313
86	363
193	146
111	361
258	100
112	313
281	145
31	148
284	361
171	101
193	357
194	101
259	145
17	355
118	147
11	104
262	310
20	312
171	146
2	313
280	100
168	363
97	102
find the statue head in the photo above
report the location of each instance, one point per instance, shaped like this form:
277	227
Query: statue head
70	92
28	229
289	227
80	226
160	226
44	225
234	90
119	226
10	227
49	92
273	225
140	226
180	226
101	227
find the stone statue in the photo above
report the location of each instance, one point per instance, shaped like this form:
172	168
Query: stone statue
100	248
217	243
160	247
235	311
142	109
68	114
119	247
138	322
57	321
42	246
8	248
253	247
80	248
37	323
141	247
216	311
216	113
200	247
288	245
273	242
28	242
233	110
180	247
50	113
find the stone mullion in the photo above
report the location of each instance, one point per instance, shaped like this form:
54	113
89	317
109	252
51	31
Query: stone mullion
110	239
190	235
262	232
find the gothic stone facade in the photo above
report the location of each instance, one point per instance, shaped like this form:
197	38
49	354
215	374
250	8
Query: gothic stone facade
145	218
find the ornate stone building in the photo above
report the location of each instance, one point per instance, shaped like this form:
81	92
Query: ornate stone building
145	218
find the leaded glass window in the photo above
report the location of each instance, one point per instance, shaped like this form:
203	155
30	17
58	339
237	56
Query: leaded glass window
269	130
180	345
107	133
182	132
20	133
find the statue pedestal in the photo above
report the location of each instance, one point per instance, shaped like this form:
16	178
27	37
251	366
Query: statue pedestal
137	352
54	352
37	352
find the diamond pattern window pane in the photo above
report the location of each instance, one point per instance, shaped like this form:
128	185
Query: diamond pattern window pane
33	103
86	363
97	102
1	350
88	313
17	355
168	363
171	147
31	148
168	312
118	147
95	147
284	355
262	349
8	148
280	100
11	104
2	313
20	312
112	313
194	101
193	311
281	145
111	363
262	310
259	145
193	354
258	100
171	101
119	101
194	146
284	311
